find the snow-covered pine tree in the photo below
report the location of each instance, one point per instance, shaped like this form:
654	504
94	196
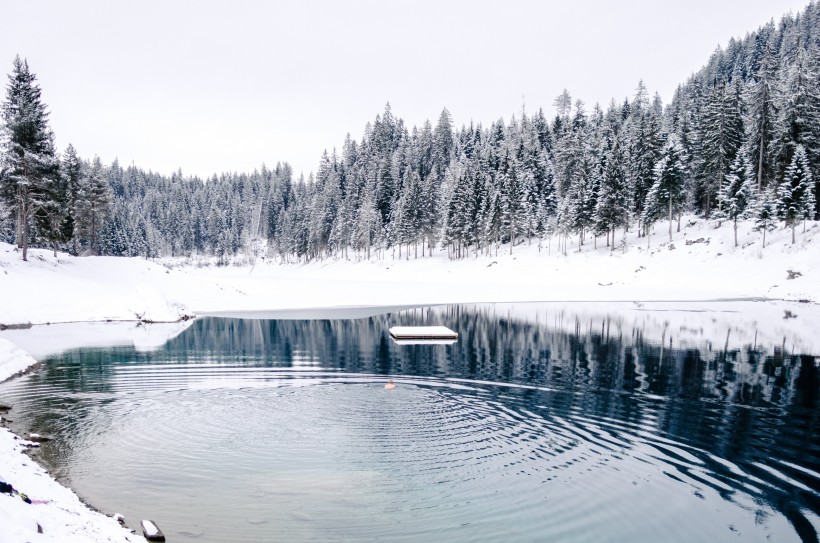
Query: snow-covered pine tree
443	142
30	165
764	211
722	131
667	190
796	199
612	209
72	172
94	204
798	111
759	121
644	141
736	194
511	191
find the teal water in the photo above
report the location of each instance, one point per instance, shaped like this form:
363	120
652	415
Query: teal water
281	430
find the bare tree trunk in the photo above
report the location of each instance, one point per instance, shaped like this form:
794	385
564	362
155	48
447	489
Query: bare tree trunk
760	163
670	218
20	222
26	233
735	231
612	247
708	203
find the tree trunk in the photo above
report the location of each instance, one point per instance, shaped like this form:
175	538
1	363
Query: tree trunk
735	231
670	218
612	247
708	203
760	158
20	222
792	233
25	239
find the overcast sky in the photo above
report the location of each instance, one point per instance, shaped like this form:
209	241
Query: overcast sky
213	86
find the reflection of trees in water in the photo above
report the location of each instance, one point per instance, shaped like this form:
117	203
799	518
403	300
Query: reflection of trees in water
591	355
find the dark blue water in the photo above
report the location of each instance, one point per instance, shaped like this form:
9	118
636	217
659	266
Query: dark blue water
526	429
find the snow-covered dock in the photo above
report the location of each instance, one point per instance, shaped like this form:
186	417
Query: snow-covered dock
422	332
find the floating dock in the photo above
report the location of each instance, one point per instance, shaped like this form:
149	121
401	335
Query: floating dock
424	333
151	531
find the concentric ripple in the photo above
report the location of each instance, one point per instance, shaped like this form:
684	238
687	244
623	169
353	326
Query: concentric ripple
221	452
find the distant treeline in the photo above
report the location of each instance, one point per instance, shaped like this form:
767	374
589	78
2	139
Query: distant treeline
741	139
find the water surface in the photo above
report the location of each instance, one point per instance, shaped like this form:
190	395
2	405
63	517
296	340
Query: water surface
534	426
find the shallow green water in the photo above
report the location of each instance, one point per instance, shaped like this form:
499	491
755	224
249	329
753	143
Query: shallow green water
244	430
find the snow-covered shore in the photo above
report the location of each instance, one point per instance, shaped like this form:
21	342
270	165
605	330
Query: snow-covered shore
55	512
700	265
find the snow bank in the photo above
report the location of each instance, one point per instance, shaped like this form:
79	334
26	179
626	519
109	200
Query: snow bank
60	514
68	289
13	360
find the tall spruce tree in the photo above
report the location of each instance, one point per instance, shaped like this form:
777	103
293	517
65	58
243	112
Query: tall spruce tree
72	173
30	165
721	138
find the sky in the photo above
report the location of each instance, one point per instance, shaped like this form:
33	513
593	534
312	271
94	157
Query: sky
224	86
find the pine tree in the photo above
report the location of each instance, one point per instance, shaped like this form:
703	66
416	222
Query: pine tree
721	138
765	211
72	172
94	204
736	194
796	199
761	113
30	166
798	109
612	210
667	190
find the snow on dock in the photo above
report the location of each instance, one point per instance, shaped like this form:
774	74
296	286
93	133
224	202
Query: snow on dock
404	333
151	531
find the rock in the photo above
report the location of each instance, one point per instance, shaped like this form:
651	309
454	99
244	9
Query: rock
793	274
789	315
37	438
119	517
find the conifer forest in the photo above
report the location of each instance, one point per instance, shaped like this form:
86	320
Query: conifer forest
740	140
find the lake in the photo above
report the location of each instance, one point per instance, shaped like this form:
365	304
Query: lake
539	424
